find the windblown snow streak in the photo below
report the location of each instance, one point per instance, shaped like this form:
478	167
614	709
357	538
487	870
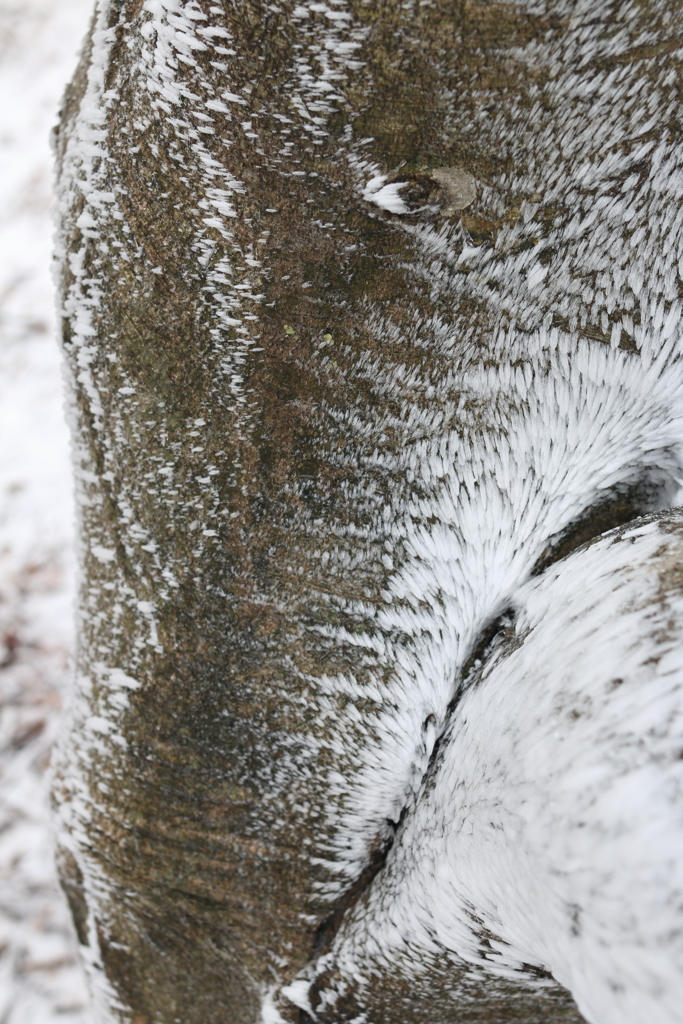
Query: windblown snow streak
331	416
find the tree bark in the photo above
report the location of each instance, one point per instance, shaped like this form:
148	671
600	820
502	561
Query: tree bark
369	313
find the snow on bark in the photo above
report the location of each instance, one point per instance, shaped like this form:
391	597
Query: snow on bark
358	342
548	830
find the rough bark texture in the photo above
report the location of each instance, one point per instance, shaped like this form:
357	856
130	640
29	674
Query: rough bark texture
281	391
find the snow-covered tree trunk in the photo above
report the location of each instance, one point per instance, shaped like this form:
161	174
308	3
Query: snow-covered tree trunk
371	315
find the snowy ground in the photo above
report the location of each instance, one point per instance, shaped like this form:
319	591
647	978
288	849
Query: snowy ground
40	980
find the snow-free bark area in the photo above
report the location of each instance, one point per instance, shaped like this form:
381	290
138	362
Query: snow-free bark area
41	981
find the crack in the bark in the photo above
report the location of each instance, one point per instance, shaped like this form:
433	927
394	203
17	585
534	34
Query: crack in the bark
621	507
326	932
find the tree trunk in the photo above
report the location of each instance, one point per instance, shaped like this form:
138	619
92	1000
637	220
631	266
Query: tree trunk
369	314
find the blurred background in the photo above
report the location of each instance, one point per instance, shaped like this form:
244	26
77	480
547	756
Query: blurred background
40	978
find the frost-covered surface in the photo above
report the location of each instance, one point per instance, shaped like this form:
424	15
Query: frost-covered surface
540	378
553	823
40	979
